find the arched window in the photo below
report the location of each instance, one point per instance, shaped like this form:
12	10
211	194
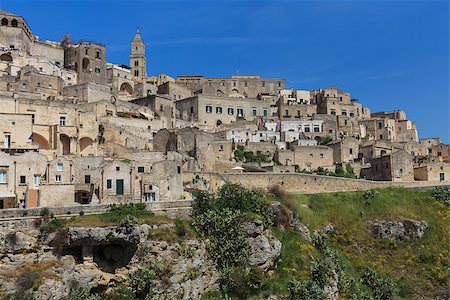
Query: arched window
86	64
14	23
4	22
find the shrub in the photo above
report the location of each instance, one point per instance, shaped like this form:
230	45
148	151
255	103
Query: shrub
45	212
382	288
278	192
129	221
83	294
120	292
28	279
19	295
52	226
180	228
193	273
140	282
81	213
442	194
304	290
228	246
369	195
241	282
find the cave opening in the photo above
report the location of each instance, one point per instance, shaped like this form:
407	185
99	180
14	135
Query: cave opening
112	256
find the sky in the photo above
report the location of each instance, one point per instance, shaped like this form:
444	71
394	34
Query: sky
388	54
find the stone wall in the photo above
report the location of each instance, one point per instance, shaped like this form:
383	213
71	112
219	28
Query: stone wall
305	183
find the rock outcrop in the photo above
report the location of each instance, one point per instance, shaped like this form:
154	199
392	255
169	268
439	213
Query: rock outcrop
264	247
401	230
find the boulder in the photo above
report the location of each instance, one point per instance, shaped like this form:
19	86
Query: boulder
401	230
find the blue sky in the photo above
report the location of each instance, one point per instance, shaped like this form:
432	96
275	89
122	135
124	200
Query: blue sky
388	54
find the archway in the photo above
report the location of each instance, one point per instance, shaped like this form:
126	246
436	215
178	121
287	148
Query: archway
40	141
83	196
14	23
126	87
6	57
86	63
86	146
65	141
4	22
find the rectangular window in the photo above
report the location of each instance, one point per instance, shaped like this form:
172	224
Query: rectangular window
307	129
218	109
108	183
59	167
240	112
254	112
333	112
316	129
32	119
230	111
208	109
380	125
87	178
58	178
351	151
62	121
37	180
136	73
97	70
265	113
140	169
22	179
192	109
2	176
286	113
298	113
344	113
136	63
97	54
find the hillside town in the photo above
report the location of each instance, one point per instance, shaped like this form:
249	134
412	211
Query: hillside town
77	129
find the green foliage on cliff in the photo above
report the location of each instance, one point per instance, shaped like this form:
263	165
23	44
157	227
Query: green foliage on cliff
374	268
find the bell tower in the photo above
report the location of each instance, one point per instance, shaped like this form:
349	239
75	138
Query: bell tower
138	62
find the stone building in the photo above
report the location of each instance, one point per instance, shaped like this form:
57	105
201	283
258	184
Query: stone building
432	171
345	150
396	166
307	158
88	59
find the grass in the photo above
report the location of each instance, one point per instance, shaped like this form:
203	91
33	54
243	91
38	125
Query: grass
419	267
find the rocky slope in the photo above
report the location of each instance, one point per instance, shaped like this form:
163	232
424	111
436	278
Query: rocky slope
101	258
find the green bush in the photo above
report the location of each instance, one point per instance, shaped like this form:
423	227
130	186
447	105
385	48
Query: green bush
180	228
242	282
369	195
120	292
28	279
228	246
83	294
19	295
442	194
51	226
140	282
304	290
382	288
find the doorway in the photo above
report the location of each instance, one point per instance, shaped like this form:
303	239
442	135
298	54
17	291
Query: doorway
119	187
